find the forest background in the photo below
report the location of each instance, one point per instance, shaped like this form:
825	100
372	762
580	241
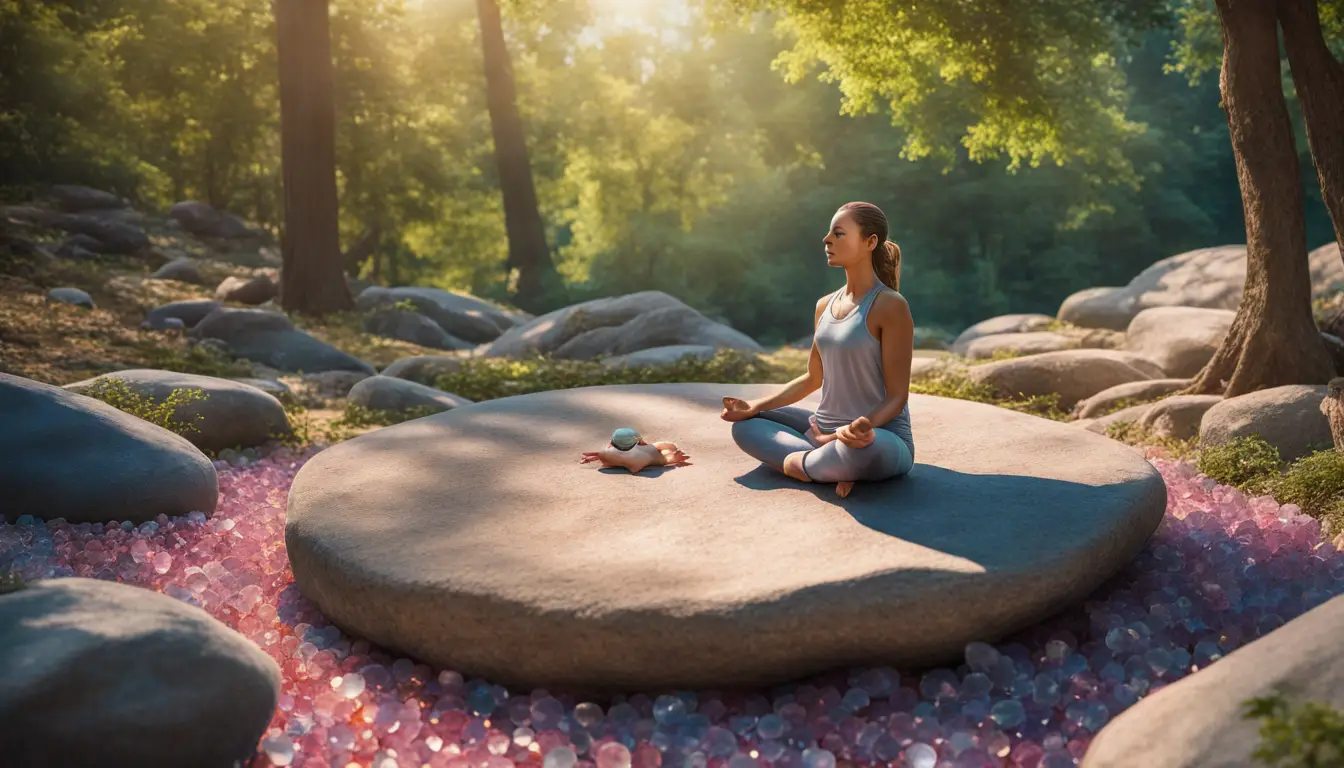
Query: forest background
672	147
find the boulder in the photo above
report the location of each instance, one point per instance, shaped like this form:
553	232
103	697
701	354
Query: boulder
95	673
1335	346
183	270
204	221
71	296
661	356
1178	416
332	384
1029	343
412	327
1101	424
385	393
1181	340
668	326
73	198
188	312
1288	418
465	317
116	236
277	389
271	339
80	247
1137	391
925	368
74	457
254	290
925	338
1000	324
1009	517
545	334
1212	278
423	368
1073	374
232	415
1198	722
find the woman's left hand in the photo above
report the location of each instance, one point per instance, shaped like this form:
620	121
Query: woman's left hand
860	434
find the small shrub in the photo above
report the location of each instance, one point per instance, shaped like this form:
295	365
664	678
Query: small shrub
405	305
202	360
1308	735
1248	463
117	394
359	416
1315	483
10	582
488	378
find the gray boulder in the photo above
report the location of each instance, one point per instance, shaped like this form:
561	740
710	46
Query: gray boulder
183	270
116	236
247	290
271	339
1101	424
73	198
327	385
188	312
1198	722
1137	391
465	317
80	247
95	673
412	327
661	356
1001	324
71	296
668	326
74	457
547	333
277	389
1181	340
1073	374
1178	416
423	368
1335	346
1212	278
202	220
1029	343
1288	418
232	415
385	393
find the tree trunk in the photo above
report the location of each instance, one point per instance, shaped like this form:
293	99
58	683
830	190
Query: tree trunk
528	252
311	280
1319	80
1273	340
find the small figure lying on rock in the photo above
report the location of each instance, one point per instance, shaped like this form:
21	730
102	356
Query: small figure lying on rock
627	449
863	345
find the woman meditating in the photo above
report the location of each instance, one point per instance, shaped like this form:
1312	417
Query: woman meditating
861	353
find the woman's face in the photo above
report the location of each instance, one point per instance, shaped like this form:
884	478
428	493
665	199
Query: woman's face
845	244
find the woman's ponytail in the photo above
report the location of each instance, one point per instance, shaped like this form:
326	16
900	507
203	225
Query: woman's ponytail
887	264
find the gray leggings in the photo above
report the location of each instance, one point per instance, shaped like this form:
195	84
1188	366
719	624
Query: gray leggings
774	434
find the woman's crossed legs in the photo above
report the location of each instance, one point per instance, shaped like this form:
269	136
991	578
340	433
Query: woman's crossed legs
772	436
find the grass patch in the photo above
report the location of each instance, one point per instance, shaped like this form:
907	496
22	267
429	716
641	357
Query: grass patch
957	385
1248	463
345	331
117	394
1306	735
201	360
356	416
1130	433
997	355
487	378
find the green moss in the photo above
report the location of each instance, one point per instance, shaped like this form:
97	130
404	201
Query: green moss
1306	735
1248	463
490	378
957	385
10	582
1315	483
1131	433
117	394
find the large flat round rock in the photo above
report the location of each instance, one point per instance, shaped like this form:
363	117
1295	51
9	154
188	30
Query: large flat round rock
474	540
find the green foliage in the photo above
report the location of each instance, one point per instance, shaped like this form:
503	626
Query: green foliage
10	583
117	394
1305	735
1131	433
201	359
356	416
1315	483
489	378
1248	463
957	385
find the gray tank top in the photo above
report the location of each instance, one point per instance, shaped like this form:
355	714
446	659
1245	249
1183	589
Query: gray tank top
851	369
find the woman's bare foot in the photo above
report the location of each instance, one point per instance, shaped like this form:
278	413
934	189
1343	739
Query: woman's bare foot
793	466
843	488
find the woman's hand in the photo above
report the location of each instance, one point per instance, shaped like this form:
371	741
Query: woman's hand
737	409
859	434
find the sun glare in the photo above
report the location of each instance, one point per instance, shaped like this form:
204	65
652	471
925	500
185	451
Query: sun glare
637	13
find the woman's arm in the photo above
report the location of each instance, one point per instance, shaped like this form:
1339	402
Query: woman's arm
803	385
896	332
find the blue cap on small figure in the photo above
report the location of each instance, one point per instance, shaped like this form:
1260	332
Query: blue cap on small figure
625	438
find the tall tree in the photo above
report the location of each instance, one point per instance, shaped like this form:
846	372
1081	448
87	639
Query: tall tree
1319	79
1273	339
312	280
528	252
